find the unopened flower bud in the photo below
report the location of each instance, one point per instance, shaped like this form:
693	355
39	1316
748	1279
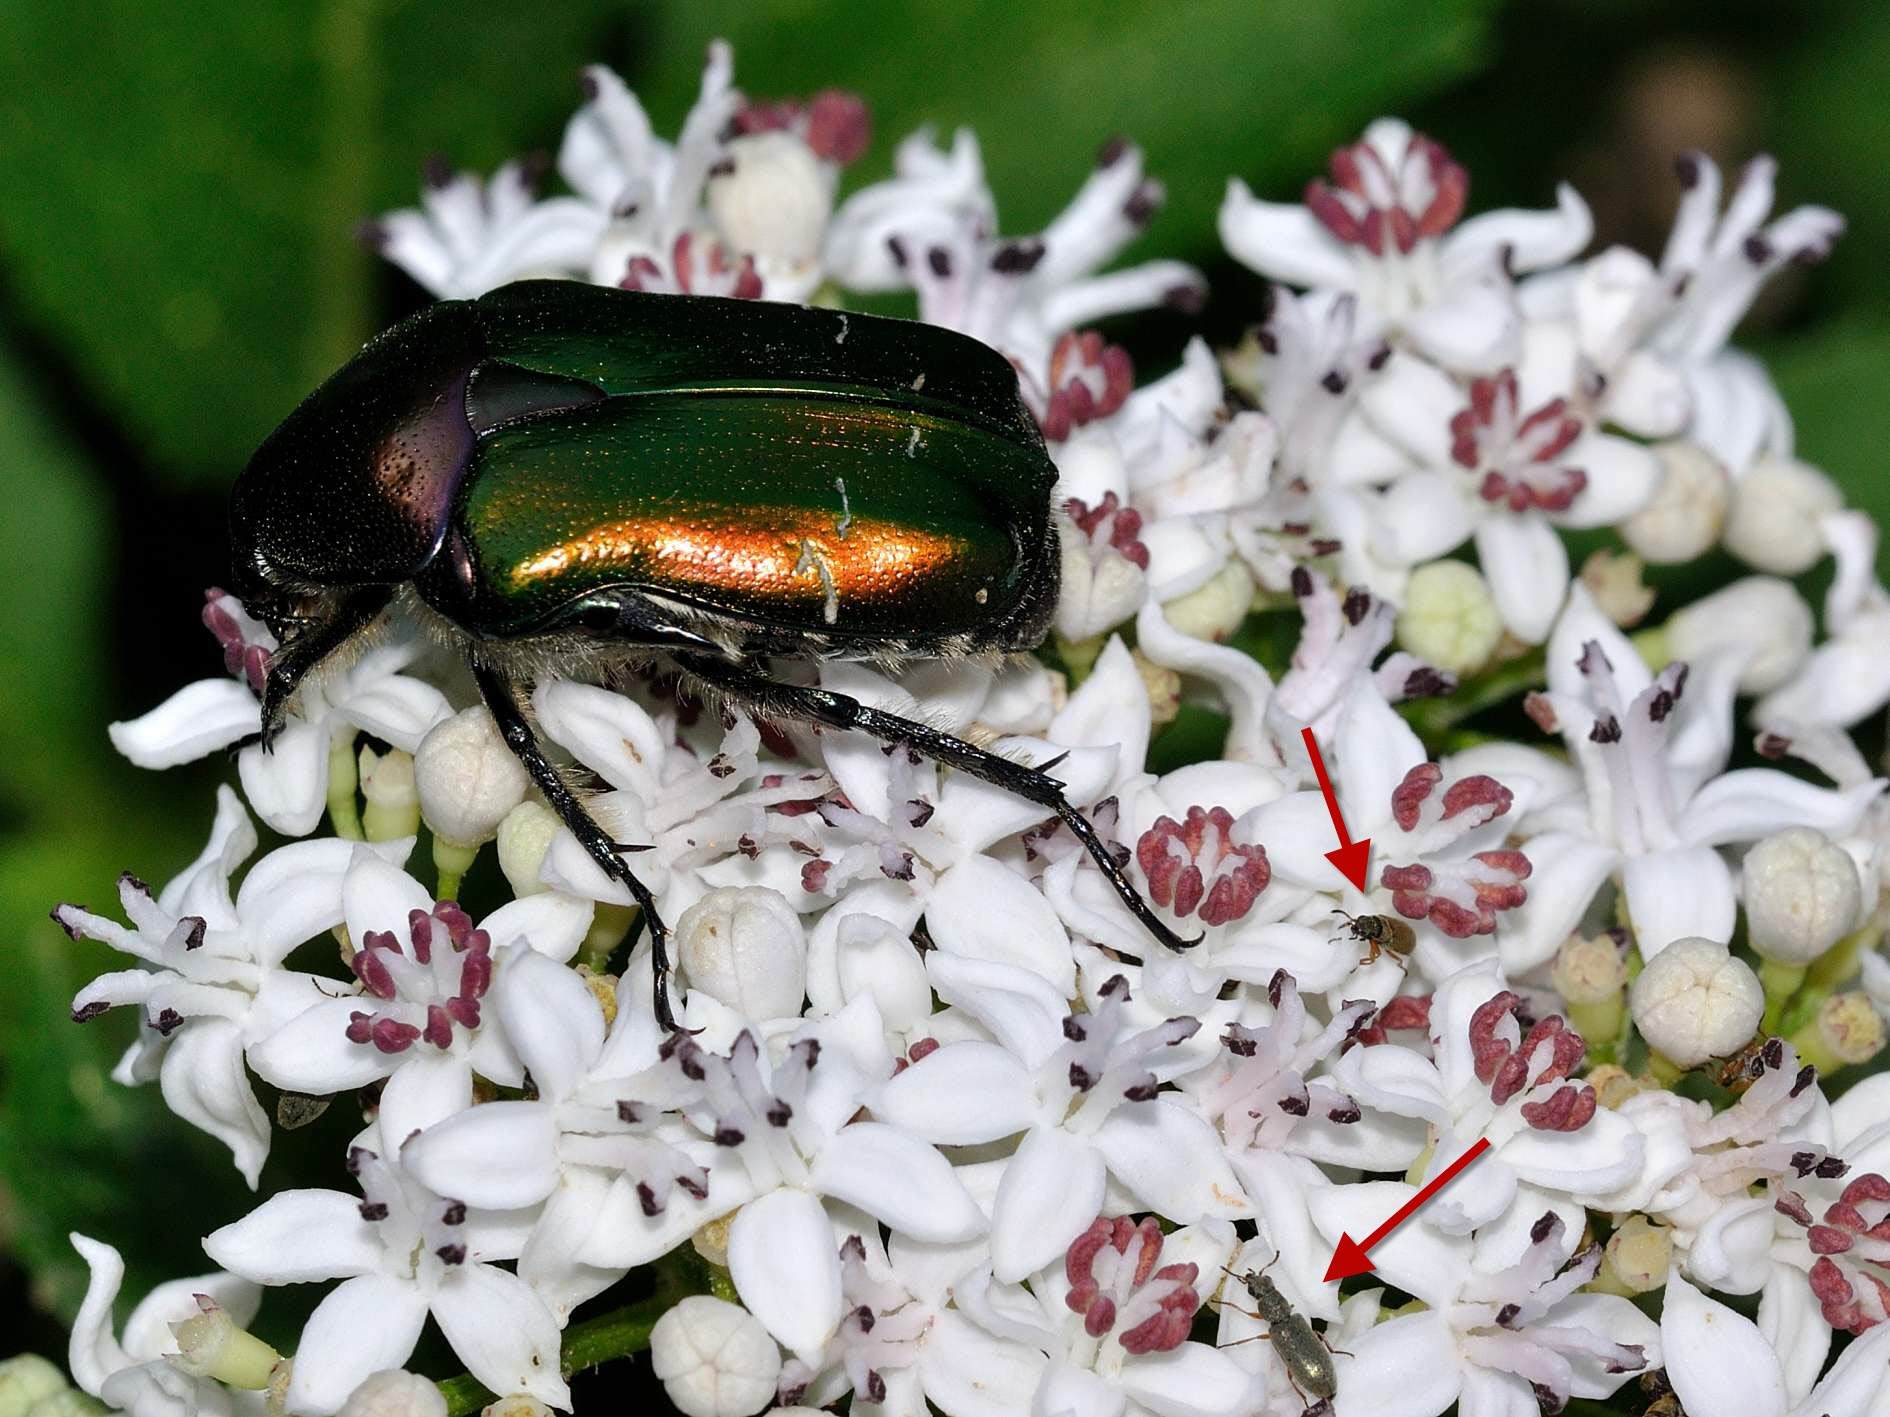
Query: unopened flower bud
1613	578
1613	1084
1776	506
1687	511
1449	617
1163	685
70	1402
771	197
524	837
711	1240
467	778
210	1345
519	1404
1694	1001
27	1380
744	946
714	1358
1761	617
387	784
1846	1030
394	1393
1639	1255
1802	895
1214	610
1589	970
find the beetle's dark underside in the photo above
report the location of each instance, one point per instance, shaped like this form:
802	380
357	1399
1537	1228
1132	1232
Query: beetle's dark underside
558	466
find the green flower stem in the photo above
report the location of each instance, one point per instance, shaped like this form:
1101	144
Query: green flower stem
609	925
344	777
1782	983
1601	1023
1433	718
1665	1070
1079	656
451	863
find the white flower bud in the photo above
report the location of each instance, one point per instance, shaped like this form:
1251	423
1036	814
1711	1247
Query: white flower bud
394	1393
714	1358
1588	969
773	198
26	1380
1802	895
1694	1001
387	785
1761	617
519	1404
1213	611
1687	511
524	837
1850	1030
1639	1254
468	779
1163	685
1775	512
70	1402
1449	617
744	946
1613	578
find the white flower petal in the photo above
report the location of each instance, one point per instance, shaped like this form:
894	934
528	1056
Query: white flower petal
497	1156
311	1053
1051	1191
1415	1257
367	1325
1194	1380
288	785
968	1373
192	723
552	923
1674	894
1405	1367
502	1332
204	1082
553	1020
786	1267
1527	567
298	1236
1282	241
981	909
1717	1360
959	1095
898	1179
1615	1319
1172	1158
1858	1382
1790	1320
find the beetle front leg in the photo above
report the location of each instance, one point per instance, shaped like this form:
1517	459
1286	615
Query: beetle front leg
771	698
519	737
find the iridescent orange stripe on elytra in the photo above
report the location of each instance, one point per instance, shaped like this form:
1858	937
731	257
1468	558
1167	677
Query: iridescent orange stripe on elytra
798	552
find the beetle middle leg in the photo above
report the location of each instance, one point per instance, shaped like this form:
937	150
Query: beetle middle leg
502	700
770	698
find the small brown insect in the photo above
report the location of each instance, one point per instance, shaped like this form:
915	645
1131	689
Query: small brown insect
1739	1071
1382	934
1301	1349
1665	1403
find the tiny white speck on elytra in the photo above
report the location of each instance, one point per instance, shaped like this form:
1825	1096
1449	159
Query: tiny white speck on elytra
919	383
841	338
846	509
914	443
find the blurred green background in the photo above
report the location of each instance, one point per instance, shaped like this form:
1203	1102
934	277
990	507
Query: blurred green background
179	187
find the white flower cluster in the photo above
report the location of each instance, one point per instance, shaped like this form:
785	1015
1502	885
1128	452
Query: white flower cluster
943	1120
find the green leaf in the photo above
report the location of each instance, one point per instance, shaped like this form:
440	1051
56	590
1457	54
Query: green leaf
187	181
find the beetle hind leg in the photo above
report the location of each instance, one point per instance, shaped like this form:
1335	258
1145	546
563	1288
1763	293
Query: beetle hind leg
773	699
503	702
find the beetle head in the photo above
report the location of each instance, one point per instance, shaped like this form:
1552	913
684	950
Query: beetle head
351	495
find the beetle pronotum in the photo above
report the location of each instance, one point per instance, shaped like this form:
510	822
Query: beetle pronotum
562	477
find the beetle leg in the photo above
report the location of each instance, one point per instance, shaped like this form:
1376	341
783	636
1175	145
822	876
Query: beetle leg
290	664
773	699
520	738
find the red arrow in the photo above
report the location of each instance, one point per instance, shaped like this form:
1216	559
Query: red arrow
1353	858
1350	1257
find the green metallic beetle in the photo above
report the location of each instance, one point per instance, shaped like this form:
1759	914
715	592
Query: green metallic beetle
562	478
